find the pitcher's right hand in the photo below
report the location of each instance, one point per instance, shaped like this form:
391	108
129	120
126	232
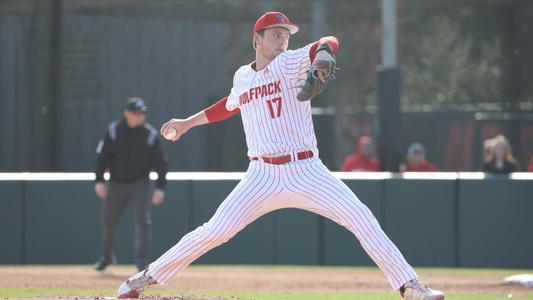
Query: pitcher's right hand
180	125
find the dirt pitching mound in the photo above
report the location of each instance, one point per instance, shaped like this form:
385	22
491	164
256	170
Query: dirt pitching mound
150	297
196	282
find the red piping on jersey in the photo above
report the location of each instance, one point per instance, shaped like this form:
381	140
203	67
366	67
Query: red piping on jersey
330	40
218	111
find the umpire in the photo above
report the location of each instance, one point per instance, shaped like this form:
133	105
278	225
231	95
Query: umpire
130	150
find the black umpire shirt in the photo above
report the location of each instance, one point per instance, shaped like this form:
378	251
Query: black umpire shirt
130	154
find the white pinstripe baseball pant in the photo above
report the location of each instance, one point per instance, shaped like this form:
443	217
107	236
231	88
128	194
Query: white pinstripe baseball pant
305	184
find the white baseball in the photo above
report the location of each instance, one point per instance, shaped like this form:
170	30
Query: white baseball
170	134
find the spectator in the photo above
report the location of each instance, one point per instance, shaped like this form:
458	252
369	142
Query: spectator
488	150
363	158
130	150
503	161
416	160
530	169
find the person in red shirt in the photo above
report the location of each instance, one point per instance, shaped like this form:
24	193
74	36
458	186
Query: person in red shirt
530	169
363	158
416	160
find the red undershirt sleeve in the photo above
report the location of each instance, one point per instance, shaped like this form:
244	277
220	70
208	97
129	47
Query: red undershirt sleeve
218	112
330	40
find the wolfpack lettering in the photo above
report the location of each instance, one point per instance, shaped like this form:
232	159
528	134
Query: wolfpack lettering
260	92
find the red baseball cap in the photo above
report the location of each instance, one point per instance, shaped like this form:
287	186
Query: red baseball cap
275	19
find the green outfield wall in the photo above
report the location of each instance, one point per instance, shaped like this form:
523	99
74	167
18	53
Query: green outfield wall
446	220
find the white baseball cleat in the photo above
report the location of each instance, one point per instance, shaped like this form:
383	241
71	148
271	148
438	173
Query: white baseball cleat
135	285
414	290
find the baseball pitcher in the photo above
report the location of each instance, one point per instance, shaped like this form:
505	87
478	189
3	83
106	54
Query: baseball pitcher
273	96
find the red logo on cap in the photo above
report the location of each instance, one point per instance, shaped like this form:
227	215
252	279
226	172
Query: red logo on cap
273	19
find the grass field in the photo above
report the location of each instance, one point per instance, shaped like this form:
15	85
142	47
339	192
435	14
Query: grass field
253	282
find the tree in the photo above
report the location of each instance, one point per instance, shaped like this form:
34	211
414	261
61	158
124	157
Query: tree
452	68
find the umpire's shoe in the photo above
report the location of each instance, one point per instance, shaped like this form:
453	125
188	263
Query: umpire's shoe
414	290
102	264
135	285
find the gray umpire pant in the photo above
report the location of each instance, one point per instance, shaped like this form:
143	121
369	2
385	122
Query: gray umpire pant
118	197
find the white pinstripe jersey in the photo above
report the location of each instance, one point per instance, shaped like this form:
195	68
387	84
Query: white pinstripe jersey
275	122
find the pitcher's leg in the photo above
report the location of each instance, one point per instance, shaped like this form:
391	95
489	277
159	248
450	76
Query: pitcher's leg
244	204
331	198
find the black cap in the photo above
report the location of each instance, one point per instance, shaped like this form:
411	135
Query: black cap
136	104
